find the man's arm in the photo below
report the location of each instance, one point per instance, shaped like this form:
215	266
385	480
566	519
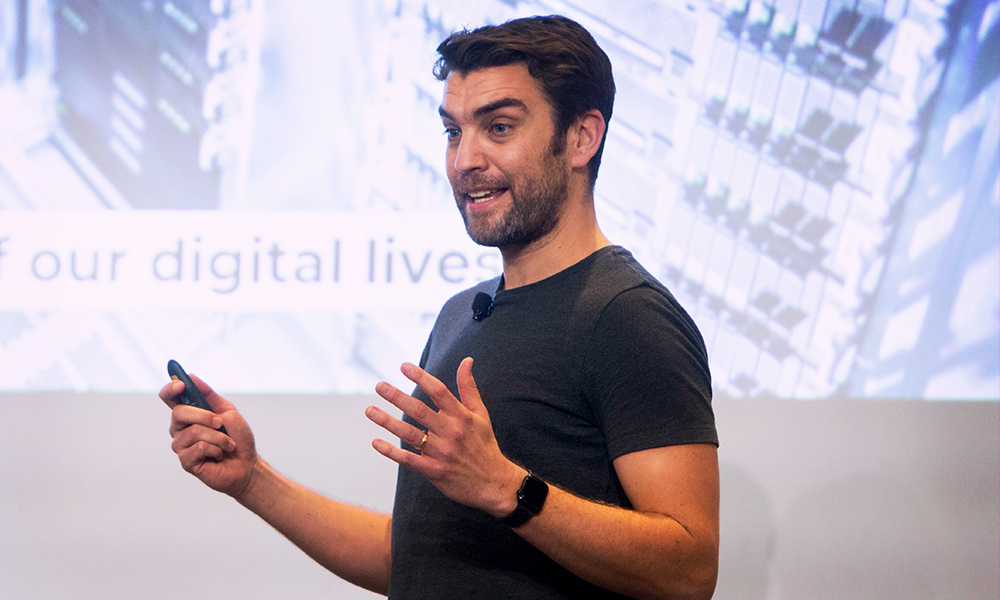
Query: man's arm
351	542
667	547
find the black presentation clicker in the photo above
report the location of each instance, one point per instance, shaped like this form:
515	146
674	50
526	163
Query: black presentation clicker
191	395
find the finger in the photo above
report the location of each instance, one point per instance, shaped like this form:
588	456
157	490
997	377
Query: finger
190	436
183	416
404	431
170	391
468	391
170	394
418	411
398	455
193	451
198	453
432	386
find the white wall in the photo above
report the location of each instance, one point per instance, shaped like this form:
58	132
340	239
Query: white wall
831	499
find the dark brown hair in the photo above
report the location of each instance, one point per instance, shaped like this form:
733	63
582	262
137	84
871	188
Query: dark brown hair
572	70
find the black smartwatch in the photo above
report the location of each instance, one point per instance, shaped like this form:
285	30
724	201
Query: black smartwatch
530	498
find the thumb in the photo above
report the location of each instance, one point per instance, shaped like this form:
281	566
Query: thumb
217	402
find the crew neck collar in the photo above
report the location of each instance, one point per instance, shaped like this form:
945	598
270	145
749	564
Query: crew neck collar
557	277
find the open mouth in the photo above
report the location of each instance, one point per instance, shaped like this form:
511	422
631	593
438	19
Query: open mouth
479	196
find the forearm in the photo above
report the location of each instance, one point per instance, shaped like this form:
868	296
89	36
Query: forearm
644	555
350	541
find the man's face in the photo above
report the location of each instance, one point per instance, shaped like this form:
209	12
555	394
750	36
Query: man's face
508	184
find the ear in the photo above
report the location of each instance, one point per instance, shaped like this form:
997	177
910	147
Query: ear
585	137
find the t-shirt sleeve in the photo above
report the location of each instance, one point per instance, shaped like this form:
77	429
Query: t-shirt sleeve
646	375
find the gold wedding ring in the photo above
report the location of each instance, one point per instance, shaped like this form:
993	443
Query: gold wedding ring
423	443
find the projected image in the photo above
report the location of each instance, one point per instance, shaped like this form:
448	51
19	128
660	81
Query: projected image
816	182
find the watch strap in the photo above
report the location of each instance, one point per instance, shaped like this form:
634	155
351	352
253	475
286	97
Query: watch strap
530	498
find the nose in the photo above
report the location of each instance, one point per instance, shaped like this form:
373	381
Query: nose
469	155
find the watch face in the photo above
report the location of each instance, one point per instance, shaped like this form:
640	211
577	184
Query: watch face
532	493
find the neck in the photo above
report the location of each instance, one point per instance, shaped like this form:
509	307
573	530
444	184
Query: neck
574	238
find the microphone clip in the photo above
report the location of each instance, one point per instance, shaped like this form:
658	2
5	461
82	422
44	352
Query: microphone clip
482	306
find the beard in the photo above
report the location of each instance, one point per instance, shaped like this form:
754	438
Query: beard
536	201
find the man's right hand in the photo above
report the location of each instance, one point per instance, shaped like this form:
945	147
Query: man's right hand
352	542
222	462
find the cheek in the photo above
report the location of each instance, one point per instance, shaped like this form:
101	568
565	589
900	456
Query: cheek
449	165
512	162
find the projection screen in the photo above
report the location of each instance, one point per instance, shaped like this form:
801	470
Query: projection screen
258	191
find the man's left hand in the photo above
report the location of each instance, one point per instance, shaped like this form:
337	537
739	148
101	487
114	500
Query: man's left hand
461	456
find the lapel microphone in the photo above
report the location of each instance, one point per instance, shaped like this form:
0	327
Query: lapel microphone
482	306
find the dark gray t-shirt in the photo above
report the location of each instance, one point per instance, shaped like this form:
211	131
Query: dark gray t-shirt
592	363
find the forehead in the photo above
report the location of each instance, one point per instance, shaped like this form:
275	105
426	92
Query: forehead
463	94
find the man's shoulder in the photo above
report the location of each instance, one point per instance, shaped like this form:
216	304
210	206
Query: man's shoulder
634	295
615	271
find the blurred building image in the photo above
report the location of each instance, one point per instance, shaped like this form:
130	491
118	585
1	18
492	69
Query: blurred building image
159	95
815	181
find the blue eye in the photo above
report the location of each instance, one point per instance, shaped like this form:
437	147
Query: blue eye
451	133
501	128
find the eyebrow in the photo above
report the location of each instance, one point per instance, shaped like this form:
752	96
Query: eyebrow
488	108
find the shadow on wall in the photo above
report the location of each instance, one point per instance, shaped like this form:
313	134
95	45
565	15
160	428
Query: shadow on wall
868	536
747	522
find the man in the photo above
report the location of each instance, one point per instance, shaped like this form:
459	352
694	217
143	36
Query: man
576	457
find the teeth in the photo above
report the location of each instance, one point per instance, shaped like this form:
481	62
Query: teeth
476	196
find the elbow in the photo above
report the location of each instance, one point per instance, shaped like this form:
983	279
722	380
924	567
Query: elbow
700	585
701	575
694	580
695	586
